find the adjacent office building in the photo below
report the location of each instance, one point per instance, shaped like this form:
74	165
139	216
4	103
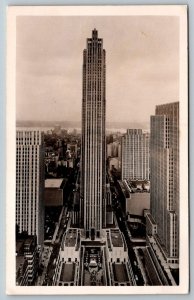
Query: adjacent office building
163	219
93	172
135	155
30	183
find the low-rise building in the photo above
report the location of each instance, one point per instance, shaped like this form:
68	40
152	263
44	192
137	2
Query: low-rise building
27	260
135	197
68	261
54	195
116	246
118	262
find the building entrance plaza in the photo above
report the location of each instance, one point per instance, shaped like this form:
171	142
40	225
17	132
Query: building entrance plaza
102	262
93	272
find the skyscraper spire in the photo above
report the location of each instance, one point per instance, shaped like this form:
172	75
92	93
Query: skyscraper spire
94	34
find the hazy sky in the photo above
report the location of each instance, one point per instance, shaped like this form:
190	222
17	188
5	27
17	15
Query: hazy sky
142	61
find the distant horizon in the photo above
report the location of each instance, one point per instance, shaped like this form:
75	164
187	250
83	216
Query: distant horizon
77	124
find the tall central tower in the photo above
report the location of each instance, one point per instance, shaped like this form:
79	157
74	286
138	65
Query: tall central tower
93	164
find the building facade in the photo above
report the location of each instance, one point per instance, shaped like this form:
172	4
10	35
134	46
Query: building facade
94	254
68	261
93	172
27	260
164	156
162	221
135	155
30	182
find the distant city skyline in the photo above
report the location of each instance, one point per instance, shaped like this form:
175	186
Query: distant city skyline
142	66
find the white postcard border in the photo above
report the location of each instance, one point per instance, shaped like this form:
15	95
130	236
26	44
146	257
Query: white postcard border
12	13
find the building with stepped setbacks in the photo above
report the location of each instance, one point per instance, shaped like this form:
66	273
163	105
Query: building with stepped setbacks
93	149
93	250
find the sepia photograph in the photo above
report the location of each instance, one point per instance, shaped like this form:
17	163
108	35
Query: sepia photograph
97	150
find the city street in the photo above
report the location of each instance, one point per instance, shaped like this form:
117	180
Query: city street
122	223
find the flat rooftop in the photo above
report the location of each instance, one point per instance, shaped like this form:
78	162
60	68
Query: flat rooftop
137	202
120	272
71	237
67	272
116	238
139	185
53	183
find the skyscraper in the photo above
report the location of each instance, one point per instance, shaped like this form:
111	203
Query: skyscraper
163	220
30	182
97	254
135	155
93	172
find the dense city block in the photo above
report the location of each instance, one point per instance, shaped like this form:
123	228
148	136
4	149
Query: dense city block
97	206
